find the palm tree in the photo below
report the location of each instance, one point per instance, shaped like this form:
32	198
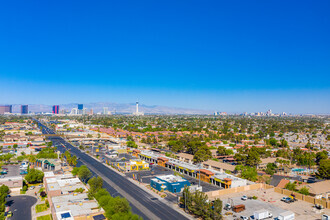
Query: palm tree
74	161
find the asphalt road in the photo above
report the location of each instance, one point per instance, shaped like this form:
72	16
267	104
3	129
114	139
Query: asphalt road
20	206
142	202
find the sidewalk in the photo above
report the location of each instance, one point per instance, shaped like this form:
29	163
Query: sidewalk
33	211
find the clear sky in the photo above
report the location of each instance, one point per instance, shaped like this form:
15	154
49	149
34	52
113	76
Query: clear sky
232	56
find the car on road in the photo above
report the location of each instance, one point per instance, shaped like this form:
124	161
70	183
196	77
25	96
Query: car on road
244	198
244	217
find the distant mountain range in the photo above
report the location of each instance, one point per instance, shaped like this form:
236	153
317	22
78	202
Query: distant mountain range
115	107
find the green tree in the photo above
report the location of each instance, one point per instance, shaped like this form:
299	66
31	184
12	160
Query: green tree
270	169
130	138
304	190
117	206
84	173
222	151
253	158
34	176
273	141
95	184
291	186
75	171
217	209
203	154
249	173
131	144
240	158
324	169
322	155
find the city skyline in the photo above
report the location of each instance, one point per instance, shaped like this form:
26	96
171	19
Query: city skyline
127	108
220	56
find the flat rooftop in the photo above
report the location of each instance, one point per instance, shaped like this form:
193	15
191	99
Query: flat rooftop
78	204
171	178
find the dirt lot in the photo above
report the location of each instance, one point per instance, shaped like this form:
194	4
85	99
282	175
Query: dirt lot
271	201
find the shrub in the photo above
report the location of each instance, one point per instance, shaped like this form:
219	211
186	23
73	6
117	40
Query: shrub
254	197
43	194
47	203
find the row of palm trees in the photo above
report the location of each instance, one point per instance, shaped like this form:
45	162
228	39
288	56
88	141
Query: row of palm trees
71	160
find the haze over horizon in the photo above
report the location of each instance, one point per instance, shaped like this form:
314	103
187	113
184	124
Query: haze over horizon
218	56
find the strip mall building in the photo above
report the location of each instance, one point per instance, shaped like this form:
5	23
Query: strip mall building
208	173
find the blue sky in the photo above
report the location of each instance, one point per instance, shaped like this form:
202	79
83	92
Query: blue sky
232	56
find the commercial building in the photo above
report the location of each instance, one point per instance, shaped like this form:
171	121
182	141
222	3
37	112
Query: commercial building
65	202
24	109
14	183
134	165
49	164
227	181
212	172
56	109
170	183
75	206
6	109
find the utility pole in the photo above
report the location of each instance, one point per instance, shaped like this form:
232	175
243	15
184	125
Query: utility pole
199	184
185	203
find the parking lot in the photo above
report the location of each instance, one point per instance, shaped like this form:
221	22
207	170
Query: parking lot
252	205
271	201
13	170
146	175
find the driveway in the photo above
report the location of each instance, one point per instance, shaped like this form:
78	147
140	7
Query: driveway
20	206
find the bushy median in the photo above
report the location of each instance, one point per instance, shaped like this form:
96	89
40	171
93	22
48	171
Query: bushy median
114	207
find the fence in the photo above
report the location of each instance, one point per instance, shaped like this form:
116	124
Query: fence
309	199
221	192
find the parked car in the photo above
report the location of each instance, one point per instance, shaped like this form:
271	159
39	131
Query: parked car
284	199
32	187
244	198
288	200
23	172
245	217
227	206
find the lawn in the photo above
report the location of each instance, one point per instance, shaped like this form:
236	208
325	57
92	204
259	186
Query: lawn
45	217
41	208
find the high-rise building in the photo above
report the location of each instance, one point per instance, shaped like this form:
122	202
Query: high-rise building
24	109
137	108
56	109
80	109
6	109
105	110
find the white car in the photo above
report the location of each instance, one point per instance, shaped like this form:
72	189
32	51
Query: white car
244	217
244	198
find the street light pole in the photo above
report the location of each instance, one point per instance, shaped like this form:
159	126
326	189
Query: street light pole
199	184
185	203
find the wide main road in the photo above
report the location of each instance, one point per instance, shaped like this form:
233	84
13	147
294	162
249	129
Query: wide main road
142	202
